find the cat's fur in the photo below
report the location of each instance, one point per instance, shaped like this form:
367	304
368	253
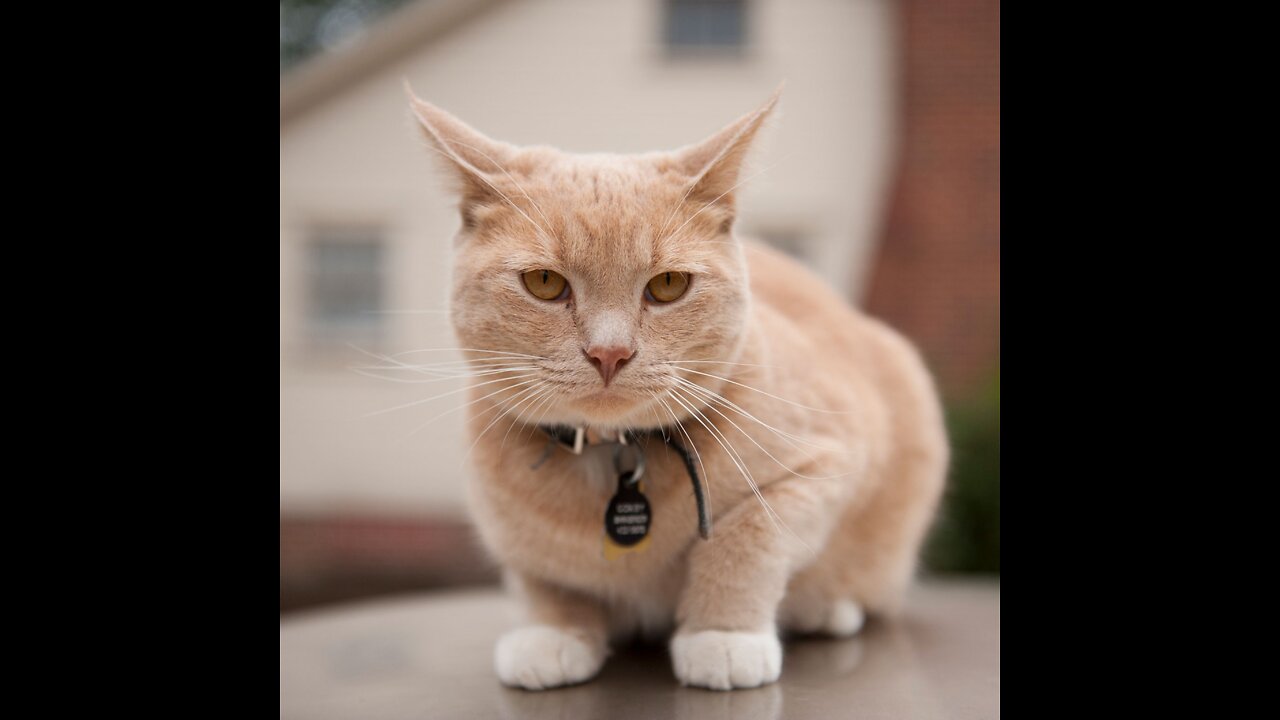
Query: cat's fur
831	413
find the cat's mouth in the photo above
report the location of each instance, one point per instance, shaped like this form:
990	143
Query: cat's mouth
606	405
606	397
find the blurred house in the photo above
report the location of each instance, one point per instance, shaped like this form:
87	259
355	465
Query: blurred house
366	224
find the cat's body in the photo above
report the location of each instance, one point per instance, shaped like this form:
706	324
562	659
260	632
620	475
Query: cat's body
760	368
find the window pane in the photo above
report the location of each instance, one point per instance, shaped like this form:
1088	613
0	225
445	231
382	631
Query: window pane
705	23
345	286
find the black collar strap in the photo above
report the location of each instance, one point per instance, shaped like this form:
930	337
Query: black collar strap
574	439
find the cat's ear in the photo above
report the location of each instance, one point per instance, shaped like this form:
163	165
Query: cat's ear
477	162
715	163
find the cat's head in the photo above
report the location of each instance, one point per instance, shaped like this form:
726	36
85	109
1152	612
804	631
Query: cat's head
596	279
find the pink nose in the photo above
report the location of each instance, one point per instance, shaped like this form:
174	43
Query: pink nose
608	360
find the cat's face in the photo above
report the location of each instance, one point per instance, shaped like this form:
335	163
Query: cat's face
597	279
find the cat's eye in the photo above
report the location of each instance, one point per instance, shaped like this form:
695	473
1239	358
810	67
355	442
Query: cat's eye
546	284
667	287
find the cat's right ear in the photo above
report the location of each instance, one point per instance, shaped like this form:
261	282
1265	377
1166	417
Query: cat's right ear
476	162
715	163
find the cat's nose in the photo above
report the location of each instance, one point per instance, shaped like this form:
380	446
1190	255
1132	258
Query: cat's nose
608	360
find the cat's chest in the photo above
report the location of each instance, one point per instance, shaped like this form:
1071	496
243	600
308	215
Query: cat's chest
551	521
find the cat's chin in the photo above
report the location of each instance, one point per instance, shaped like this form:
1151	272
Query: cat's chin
610	408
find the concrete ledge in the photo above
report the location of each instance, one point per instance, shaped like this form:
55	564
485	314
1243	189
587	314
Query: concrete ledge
432	656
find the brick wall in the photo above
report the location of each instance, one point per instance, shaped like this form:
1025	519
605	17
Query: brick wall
345	557
936	276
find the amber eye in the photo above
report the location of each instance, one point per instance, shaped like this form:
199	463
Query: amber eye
667	287
546	284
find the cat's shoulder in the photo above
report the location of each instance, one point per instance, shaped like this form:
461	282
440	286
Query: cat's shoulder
783	282
789	292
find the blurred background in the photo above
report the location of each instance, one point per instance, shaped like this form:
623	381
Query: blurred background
881	172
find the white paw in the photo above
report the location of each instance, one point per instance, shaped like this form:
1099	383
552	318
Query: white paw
845	619
727	660
540	656
837	618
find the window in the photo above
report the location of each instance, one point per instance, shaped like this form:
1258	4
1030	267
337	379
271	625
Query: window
705	24
345	286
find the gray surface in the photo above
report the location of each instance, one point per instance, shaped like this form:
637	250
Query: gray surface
431	656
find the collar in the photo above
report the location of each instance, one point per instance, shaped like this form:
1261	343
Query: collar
576	438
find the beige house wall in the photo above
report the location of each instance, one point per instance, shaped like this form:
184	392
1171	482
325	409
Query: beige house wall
582	75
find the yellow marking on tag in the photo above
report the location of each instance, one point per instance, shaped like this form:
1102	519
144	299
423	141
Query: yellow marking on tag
613	551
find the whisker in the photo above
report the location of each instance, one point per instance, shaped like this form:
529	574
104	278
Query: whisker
717	362
451	370
479	350
467	455
535	397
547	402
509	177
466	362
706	481
499	391
762	392
777	519
731	452
438	378
481	176
781	464
725	402
678	205
462	362
478	362
752	176
420	368
444	395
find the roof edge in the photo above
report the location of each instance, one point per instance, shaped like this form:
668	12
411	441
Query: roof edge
325	74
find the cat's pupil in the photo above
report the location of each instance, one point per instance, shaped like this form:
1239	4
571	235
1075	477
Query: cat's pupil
544	277
668	277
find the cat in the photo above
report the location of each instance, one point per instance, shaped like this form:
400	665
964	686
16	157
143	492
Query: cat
605	299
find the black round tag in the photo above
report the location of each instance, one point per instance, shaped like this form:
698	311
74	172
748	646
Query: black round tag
627	517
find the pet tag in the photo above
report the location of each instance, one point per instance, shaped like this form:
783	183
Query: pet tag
627	517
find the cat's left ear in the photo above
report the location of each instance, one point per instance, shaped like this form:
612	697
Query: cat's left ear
478	161
716	162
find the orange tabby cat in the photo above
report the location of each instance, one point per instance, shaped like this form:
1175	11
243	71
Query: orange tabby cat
605	297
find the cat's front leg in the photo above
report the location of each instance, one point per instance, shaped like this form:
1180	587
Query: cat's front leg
727	636
564	642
